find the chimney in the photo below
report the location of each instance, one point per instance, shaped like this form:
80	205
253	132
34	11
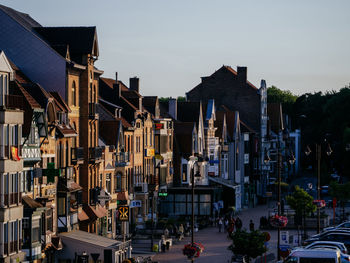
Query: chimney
134	84
242	75
116	88
173	108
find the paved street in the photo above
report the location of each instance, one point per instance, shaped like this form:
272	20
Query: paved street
216	243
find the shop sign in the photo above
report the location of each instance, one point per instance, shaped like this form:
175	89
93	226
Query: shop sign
123	212
135	203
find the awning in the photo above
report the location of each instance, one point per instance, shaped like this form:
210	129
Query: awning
82	216
224	182
73	186
122	196
28	201
95	213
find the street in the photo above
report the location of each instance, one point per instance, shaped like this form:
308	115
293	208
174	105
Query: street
215	243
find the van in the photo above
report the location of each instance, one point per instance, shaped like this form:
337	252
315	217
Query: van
313	256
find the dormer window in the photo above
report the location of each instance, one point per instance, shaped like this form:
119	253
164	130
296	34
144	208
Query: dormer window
62	117
4	88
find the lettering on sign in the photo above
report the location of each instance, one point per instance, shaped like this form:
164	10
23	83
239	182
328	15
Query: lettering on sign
123	213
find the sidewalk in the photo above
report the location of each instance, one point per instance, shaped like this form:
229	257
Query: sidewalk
215	248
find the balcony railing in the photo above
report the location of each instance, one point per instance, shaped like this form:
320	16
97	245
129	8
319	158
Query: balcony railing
77	154
123	159
12	102
93	111
95	153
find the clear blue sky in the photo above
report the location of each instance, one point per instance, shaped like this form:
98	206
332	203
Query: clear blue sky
299	45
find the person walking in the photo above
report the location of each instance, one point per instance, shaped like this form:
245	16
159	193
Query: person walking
220	224
251	226
238	223
226	225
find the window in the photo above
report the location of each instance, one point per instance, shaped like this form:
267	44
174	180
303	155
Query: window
108	182
117	182
74	94
49	220
146	142
61	209
184	173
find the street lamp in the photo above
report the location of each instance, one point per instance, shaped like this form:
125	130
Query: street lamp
318	158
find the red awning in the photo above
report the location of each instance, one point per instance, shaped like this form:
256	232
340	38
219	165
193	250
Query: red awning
82	216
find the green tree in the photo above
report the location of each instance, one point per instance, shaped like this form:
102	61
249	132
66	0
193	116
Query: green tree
248	244
285	97
301	202
341	192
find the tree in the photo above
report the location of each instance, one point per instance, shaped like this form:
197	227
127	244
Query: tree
341	192
301	202
285	97
248	244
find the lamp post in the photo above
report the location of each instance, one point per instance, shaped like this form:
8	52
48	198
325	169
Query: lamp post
318	159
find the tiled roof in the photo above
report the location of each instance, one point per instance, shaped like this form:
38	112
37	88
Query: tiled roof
66	130
79	39
109	131
61	103
24	19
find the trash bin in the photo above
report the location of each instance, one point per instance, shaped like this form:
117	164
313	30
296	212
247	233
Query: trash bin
167	245
163	247
155	248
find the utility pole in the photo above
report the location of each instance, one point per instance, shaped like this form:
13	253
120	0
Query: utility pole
279	199
318	156
192	237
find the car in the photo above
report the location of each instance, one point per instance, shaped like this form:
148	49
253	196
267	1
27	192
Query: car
342	225
325	189
339	245
337	236
344	257
318	236
313	256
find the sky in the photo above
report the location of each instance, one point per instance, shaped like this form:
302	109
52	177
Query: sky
300	45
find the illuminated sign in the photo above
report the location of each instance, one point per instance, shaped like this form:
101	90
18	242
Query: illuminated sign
162	194
149	152
123	212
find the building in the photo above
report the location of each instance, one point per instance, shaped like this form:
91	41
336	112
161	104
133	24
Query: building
11	167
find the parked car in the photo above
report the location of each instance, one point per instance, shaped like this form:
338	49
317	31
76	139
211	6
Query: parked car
324	233
342	225
345	258
343	237
325	189
313	256
339	245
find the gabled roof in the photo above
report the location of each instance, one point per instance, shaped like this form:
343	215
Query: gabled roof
150	104
226	68
23	18
183	136
60	103
109	131
80	40
188	111
274	111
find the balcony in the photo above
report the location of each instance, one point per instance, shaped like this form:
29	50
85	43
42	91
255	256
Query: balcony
95	154
93	115
77	155
122	159
141	188
12	102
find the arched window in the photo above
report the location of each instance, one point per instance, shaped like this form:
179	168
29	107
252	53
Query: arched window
74	94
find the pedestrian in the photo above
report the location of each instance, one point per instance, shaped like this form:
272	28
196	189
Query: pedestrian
166	232
226	224
181	231
238	223
220	224
233	224
251	226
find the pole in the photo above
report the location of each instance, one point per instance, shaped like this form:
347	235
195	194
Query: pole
279	199
192	237
152	211
318	152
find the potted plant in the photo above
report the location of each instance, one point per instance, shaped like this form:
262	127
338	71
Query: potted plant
192	250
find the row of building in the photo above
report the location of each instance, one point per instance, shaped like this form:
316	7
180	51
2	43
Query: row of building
86	160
